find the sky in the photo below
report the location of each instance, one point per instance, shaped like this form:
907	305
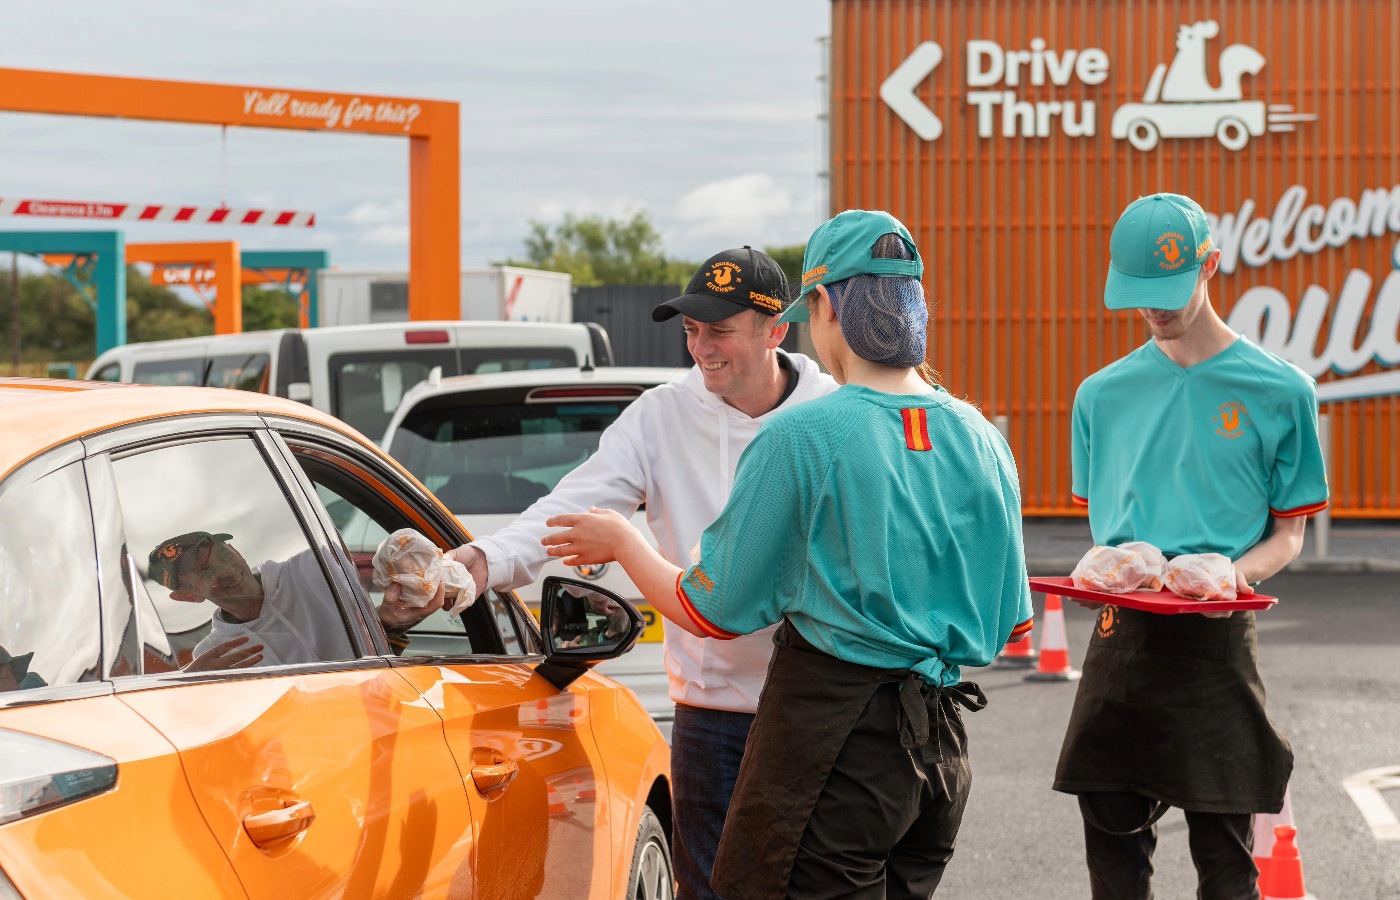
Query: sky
703	114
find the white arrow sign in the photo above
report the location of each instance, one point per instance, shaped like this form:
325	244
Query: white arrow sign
1365	790
898	90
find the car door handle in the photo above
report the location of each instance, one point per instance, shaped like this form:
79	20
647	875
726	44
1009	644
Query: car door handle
267	828
494	776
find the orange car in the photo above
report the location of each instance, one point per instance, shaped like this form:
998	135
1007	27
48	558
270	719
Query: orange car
202	696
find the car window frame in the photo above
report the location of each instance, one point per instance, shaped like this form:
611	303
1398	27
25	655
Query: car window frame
449	531
151	435
35	468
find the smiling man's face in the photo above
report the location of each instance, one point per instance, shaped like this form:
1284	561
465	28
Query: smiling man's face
734	353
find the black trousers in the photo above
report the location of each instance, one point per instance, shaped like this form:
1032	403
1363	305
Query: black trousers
1120	865
887	820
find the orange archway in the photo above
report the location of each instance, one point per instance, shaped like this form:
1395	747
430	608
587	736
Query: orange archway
222	259
431	126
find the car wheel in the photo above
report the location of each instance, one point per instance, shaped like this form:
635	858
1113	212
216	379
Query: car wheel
1232	133
651	877
1142	134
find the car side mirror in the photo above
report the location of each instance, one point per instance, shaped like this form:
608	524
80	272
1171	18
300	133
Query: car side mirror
583	625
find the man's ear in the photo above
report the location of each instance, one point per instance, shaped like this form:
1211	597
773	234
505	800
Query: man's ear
1211	264
776	334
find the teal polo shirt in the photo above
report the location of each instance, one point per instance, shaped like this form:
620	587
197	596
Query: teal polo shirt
1196	460
885	527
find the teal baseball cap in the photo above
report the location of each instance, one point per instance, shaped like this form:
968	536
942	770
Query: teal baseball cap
1156	253
841	248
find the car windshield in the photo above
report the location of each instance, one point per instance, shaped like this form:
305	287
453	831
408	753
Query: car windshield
500	457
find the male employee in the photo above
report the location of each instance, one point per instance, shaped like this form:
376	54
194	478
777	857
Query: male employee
1196	442
676	449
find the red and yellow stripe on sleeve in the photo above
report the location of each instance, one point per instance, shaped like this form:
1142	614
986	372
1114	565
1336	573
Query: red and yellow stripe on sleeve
1024	628
1078	500
916	428
710	629
1299	511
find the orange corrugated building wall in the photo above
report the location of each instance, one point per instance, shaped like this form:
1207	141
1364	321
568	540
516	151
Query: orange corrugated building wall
1015	229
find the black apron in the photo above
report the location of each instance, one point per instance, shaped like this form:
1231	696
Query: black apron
1171	707
809	704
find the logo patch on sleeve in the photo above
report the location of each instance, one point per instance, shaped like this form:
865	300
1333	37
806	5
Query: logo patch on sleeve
916	428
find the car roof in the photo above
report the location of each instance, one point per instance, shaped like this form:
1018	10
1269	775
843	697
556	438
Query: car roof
529	378
39	413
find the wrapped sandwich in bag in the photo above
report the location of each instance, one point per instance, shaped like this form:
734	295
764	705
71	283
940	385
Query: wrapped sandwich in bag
1201	576
1119	570
417	566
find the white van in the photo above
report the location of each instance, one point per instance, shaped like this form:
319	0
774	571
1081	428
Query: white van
358	373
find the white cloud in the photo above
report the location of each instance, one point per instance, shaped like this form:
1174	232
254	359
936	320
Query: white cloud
373	213
744	203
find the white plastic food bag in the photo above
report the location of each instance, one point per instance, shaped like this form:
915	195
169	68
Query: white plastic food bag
415	564
1201	576
1115	570
1156	564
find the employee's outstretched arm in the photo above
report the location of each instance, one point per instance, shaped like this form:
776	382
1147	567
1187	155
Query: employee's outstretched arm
600	536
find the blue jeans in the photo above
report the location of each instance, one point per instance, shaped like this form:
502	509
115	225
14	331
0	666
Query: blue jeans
707	746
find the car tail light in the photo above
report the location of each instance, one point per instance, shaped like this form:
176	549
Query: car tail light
427	336
599	392
37	775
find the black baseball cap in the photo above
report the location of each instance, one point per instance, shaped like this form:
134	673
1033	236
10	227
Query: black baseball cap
727	284
166	561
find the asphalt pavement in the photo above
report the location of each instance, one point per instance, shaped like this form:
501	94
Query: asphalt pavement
1328	657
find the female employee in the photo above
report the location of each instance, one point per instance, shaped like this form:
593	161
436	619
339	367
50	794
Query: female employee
882	525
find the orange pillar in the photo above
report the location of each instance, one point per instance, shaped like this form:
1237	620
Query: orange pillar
434	223
221	256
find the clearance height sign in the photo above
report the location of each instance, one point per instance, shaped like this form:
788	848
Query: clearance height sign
1009	136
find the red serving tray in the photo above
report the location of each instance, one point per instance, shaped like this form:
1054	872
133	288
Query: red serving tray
1161	602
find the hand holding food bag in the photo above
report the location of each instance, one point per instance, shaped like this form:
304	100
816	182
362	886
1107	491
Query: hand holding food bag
417	566
1205	576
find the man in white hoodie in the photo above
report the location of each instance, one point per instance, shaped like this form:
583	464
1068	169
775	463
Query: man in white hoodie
676	449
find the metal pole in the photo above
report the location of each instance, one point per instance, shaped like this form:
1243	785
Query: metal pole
1322	522
14	306
1003	424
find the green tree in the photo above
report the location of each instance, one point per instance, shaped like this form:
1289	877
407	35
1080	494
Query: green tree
266	308
789	259
597	250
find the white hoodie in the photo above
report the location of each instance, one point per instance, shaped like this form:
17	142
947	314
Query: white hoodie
675	448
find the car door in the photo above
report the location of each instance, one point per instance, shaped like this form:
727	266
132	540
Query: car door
76	831
319	770
526	749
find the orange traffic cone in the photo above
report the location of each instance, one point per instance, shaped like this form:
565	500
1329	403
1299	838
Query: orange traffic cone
1285	881
1264	824
1054	646
1018	655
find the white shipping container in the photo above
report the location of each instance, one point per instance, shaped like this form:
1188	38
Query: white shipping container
499	294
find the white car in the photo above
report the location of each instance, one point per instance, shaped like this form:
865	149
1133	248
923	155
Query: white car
488	446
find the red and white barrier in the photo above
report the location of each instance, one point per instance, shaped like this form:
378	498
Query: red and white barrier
135	212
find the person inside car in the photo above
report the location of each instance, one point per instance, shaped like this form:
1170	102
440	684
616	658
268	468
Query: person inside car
283	605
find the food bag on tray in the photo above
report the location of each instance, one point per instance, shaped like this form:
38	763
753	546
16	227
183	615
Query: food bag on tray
1120	570
1201	576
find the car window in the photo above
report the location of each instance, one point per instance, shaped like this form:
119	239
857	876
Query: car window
497	457
487	360
363	515
168	372
49	633
244	371
367	387
222	556
109	372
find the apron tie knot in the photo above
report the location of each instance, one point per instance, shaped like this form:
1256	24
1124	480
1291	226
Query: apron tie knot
916	698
